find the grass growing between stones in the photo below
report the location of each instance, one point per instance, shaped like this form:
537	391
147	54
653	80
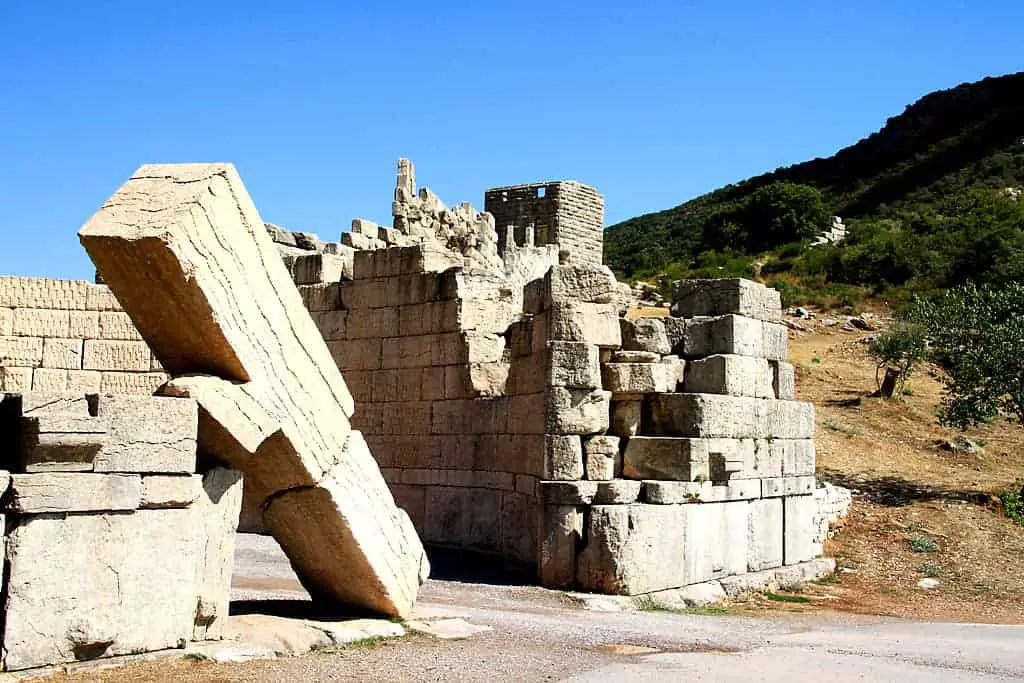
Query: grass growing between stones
645	604
782	597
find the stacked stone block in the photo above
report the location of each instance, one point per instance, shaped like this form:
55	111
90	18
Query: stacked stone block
114	545
70	335
712	446
568	214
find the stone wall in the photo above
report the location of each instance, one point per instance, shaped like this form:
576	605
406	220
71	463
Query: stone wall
70	335
114	544
566	213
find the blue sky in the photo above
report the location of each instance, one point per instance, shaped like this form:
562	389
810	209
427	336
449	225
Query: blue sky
653	103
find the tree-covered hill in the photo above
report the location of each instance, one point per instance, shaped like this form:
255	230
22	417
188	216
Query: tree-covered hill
929	199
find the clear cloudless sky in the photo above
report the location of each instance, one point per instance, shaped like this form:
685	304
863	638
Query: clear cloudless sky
653	102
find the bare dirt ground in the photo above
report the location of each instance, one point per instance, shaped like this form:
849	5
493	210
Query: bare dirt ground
907	487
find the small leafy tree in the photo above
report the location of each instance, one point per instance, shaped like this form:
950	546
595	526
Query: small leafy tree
977	336
901	347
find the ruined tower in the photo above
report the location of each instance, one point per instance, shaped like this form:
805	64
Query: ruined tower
566	213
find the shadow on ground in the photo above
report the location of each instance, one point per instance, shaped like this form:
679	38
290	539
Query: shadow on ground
897	492
448	564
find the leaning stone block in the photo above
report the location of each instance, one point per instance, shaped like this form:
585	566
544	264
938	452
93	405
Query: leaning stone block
653	457
730	374
148	434
639	378
88	586
344	510
602	458
783	380
575	365
563	457
764	534
561	531
61	442
169	491
184	242
644	334
73	492
799	528
691	298
577	411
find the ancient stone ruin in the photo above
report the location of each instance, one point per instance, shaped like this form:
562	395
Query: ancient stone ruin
466	378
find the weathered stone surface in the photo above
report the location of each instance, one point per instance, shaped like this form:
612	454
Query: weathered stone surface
588	284
596	324
345	510
726	334
628	551
616	492
217	510
713	415
799	528
170	491
636	357
73	492
577	411
567	492
692	298
665	492
602	459
563	457
60	442
184	242
560	536
639	378
764	534
625	418
148	434
655	457
644	334
575	365
783	381
730	374
135	589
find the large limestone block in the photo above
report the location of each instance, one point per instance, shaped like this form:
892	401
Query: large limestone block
726	334
692	298
188	256
645	334
765	534
563	457
575	365
633	549
61	442
87	586
655	457
561	531
148	434
800	527
577	411
74	492
639	378
596	324
737	417
170	491
217	508
730	374
344	510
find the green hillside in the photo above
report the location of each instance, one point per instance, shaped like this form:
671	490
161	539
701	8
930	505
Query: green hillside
929	200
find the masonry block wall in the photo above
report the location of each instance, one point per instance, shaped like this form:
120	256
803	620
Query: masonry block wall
70	335
567	214
449	390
